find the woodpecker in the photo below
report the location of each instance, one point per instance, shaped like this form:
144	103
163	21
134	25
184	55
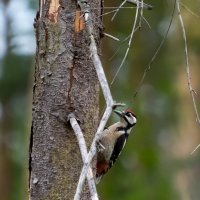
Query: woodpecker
112	141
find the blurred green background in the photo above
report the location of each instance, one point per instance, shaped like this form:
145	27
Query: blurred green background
157	162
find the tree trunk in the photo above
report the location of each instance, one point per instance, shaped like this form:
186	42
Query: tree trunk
65	82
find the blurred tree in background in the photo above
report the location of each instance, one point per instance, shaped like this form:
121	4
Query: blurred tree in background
156	163
16	60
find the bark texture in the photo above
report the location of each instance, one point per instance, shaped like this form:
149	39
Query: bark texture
65	81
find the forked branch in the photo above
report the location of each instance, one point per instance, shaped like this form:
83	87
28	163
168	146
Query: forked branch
191	90
106	92
83	150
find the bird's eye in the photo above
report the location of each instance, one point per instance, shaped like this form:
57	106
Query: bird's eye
129	114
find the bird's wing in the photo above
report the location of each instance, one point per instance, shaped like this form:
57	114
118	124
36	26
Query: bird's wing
119	145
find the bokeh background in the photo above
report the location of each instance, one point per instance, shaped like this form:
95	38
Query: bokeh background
157	162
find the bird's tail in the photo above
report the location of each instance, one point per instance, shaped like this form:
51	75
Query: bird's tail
98	178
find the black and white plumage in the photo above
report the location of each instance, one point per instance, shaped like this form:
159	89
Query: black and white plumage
112	142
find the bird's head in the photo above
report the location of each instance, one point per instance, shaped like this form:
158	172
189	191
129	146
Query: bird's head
127	116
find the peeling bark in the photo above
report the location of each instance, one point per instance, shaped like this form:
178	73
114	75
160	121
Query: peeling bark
53	11
65	82
79	21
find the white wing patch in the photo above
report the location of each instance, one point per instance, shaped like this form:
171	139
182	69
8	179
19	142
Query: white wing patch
123	146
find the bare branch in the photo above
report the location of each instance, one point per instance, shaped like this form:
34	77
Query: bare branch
99	69
129	44
190	11
134	2
156	53
112	37
122	45
83	150
191	90
92	152
106	92
120	6
195	149
141	4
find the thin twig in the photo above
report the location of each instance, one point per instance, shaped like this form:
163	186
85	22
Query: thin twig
112	37
156	53
145	20
191	90
120	6
195	149
83	150
141	15
122	44
141	4
114	9
190	11
129	44
107	13
135	2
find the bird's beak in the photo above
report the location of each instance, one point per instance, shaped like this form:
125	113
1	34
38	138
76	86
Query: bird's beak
119	113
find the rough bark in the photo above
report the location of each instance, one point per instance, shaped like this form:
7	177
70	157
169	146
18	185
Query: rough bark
65	82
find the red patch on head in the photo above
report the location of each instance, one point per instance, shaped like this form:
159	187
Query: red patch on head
128	110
